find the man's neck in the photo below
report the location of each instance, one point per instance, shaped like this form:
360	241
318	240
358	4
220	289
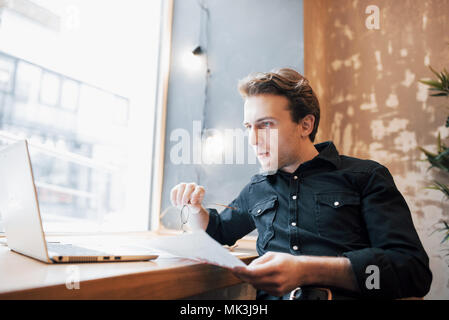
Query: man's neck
307	154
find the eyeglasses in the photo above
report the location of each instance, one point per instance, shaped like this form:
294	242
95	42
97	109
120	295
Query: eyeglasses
184	217
185	212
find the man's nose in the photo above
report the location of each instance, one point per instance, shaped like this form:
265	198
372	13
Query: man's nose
253	137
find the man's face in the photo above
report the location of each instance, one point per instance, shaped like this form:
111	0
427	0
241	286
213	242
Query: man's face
272	133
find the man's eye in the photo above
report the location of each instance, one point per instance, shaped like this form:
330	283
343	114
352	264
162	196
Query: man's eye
266	124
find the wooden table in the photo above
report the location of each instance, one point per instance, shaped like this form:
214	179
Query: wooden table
163	278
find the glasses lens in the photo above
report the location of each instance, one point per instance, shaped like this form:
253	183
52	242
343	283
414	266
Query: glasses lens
184	214
184	217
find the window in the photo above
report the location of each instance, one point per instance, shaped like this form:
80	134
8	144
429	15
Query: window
6	74
70	95
82	91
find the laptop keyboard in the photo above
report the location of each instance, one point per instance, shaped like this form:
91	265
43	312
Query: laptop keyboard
71	250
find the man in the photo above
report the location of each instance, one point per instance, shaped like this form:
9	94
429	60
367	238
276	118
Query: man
323	219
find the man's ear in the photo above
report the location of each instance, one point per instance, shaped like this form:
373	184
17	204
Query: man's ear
307	123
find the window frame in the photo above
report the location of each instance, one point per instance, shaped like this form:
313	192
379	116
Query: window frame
160	119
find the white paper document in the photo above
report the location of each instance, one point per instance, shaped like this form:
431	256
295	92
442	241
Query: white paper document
198	245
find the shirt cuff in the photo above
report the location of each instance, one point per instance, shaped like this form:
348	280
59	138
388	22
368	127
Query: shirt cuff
214	221
374	273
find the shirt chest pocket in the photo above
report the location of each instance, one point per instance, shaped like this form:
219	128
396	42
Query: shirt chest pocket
263	214
338	216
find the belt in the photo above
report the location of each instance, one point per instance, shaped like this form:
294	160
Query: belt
316	293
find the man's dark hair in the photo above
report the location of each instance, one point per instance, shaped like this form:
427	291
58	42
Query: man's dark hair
290	84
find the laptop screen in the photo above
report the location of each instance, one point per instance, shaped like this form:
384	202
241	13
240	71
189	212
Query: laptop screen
19	204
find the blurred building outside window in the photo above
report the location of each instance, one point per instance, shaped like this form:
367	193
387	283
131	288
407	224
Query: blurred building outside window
78	80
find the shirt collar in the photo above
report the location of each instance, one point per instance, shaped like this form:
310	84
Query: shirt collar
327	152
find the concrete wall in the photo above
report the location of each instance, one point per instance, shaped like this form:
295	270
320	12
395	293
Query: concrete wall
373	105
239	37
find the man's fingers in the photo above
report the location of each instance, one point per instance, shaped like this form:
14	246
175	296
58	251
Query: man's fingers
173	195
244	275
253	272
262	266
268	282
197	195
181	188
187	193
262	259
262	270
258	281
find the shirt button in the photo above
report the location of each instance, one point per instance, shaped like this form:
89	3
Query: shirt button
294	197
294	224
295	177
295	248
336	203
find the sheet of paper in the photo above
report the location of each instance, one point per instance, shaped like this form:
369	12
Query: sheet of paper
198	245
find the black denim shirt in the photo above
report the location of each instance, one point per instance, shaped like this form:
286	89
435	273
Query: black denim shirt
333	205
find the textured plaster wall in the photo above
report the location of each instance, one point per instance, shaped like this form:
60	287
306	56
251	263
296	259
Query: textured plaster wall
372	103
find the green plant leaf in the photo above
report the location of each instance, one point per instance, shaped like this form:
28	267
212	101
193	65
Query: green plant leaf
433	71
437	87
443	188
439	160
444	228
445	238
432	83
441	85
427	153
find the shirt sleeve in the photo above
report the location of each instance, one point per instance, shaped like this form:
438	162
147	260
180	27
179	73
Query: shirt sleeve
231	224
396	255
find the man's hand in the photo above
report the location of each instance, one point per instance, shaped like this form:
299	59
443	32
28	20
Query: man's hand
188	194
275	272
192	195
278	273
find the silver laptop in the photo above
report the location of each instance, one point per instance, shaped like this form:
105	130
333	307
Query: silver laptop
22	219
